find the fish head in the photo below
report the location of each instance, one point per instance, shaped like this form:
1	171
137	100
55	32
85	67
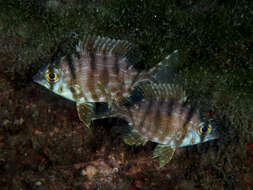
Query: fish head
57	78
199	133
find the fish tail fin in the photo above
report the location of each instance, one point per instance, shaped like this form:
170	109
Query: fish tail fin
164	71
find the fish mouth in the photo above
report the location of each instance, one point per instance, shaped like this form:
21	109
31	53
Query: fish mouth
37	78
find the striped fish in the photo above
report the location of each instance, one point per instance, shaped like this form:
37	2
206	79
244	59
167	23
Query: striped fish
161	115
101	70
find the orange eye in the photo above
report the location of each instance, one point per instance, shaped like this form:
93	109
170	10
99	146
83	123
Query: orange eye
205	129
52	77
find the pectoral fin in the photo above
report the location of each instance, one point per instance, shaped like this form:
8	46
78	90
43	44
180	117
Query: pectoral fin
86	112
165	154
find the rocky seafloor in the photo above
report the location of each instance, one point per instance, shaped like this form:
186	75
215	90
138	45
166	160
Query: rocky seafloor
43	144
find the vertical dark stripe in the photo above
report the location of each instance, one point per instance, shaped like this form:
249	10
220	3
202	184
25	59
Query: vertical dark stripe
104	76
92	82
116	66
92	61
105	71
80	63
157	123
105	43
147	112
171	104
170	109
135	97
166	130
71	66
191	112
120	79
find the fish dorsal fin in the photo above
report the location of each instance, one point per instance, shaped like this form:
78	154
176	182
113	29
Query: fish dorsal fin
162	90
150	90
107	46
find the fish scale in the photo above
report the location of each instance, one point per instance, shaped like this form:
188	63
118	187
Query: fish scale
152	115
101	70
162	116
115	76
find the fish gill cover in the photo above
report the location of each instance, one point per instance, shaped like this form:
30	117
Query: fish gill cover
44	145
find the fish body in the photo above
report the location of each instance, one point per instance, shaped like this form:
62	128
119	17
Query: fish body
165	121
165	118
102	71
102	68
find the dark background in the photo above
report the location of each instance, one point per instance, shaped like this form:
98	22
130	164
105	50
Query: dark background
43	145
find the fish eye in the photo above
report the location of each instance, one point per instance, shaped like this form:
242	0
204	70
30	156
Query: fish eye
52	77
205	129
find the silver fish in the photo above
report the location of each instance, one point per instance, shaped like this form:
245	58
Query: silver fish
102	71
162	116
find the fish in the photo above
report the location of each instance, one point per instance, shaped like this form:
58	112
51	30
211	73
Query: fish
159	112
100	71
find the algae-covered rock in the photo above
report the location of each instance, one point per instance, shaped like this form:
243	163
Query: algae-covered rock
41	139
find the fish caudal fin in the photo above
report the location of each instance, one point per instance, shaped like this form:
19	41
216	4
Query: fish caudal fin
164	71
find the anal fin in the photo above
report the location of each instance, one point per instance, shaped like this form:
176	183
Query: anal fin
134	138
164	153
